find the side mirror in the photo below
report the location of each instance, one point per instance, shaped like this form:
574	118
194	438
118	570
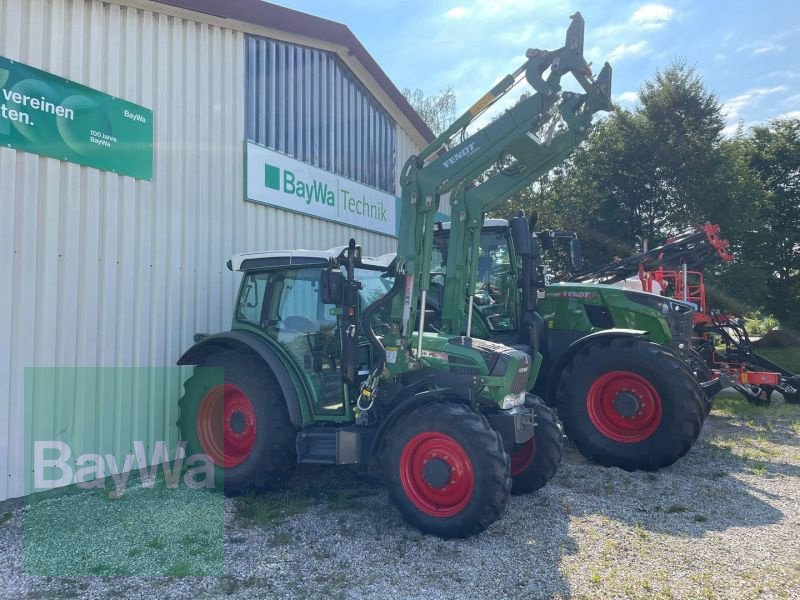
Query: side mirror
575	253
331	287
521	235
533	220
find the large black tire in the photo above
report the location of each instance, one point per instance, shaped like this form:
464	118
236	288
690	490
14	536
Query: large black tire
446	470
535	462
255	447
630	403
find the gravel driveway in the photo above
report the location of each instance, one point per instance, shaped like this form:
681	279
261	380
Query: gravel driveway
723	522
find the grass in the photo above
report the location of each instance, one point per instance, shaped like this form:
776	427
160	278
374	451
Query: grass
271	509
732	404
180	569
5	517
788	358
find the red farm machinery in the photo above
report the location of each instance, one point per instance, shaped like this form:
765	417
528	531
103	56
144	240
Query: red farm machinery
721	343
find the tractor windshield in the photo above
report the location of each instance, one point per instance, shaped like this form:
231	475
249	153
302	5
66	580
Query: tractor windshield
496	285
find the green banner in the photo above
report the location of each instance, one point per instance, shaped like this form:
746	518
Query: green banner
52	116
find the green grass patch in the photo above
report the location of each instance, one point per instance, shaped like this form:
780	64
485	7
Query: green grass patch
270	509
732	404
676	508
180	569
4	518
788	358
66	536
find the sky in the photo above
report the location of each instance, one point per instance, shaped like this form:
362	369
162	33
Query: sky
746	52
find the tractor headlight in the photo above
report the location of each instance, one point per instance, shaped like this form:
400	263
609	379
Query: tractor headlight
513	400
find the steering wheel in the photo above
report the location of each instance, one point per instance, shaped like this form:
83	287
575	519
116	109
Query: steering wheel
298	324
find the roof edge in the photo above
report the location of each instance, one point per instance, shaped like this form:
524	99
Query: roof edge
264	14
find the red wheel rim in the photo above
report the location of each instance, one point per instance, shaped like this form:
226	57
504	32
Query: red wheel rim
448	457
226	425
522	457
624	407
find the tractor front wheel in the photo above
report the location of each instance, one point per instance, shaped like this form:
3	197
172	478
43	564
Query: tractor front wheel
446	470
630	403
535	462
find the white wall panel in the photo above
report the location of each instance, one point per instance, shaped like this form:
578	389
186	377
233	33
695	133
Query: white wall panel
103	270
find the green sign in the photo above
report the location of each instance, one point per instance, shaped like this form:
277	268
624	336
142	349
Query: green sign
52	116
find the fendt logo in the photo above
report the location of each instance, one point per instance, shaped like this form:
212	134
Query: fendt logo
316	191
465	151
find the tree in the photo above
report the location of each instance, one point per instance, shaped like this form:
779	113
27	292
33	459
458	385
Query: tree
644	174
438	112
773	156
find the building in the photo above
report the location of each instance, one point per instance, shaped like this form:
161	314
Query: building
237	119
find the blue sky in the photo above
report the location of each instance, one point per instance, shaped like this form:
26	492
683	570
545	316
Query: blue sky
747	52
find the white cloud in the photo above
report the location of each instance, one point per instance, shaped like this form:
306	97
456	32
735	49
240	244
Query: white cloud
637	49
458	12
628	98
761	47
736	107
794	114
652	16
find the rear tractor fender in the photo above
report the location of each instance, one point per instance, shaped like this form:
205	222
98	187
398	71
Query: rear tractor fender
228	341
577	346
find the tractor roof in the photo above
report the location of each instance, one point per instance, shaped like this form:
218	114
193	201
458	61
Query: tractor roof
445	225
249	261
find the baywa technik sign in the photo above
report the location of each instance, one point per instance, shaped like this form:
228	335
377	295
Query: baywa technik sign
275	179
52	116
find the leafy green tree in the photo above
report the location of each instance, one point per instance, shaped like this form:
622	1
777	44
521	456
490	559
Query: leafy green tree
438	111
773	247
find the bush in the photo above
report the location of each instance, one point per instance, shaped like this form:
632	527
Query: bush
759	325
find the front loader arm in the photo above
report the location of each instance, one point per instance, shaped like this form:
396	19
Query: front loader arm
452	161
533	158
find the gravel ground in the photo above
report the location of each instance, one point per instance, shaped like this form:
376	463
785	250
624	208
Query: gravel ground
723	522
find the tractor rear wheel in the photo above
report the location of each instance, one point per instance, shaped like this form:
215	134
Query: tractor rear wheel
446	470
233	412
630	403
535	462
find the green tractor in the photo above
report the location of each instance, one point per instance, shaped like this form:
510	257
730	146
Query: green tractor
329	361
615	361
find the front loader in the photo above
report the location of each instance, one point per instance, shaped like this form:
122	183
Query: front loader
329	360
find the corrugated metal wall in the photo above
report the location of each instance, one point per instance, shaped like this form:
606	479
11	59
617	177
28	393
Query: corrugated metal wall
102	270
306	103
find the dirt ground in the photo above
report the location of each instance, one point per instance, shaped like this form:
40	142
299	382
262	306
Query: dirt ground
722	522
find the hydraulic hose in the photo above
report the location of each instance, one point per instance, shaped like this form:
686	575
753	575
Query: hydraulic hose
366	321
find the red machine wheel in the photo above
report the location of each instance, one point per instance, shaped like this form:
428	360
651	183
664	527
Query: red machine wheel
628	402
624	406
226	425
446	470
233	412
535	462
522	457
437	474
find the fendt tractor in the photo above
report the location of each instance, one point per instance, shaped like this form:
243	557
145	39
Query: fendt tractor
328	360
675	270
615	361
